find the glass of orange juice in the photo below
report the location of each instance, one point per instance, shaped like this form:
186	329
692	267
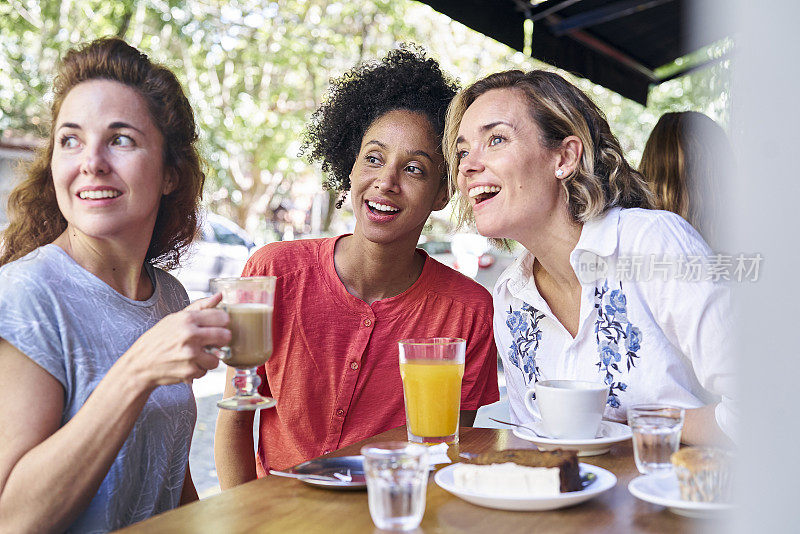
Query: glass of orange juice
431	369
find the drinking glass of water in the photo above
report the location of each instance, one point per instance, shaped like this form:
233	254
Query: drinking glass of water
656	435
397	480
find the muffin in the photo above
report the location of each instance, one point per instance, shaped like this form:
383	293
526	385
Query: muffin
704	475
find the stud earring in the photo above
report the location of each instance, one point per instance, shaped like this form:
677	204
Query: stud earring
559	173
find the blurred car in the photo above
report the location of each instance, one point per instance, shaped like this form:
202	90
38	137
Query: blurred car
441	251
221	249
466	253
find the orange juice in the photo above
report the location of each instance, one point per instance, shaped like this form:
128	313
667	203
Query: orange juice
432	392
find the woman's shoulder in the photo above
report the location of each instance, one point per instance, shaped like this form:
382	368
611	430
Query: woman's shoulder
31	289
35	272
646	231
281	257
631	217
171	289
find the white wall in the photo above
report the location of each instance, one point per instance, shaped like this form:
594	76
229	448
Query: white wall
763	217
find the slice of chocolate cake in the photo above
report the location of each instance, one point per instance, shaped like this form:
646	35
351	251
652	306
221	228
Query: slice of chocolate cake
565	461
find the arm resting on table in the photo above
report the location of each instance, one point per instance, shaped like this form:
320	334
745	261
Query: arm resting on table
234	454
188	493
467	417
700	428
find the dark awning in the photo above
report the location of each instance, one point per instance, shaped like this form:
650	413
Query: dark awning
615	43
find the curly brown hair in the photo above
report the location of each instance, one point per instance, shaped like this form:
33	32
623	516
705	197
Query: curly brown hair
603	178
34	216
405	79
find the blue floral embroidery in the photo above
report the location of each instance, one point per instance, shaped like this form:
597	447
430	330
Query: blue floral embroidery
524	327
611	330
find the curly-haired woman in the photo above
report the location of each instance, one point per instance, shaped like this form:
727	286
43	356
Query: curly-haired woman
604	290
96	356
346	301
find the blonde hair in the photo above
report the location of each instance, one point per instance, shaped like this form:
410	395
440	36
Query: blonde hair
34	216
685	156
603	178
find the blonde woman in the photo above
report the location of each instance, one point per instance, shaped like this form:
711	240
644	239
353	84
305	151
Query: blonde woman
535	161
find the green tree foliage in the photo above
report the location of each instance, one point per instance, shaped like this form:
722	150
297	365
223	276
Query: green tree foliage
255	70
33	35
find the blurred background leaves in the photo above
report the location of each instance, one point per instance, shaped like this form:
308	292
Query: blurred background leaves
256	70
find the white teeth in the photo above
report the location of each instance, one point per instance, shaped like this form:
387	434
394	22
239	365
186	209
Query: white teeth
381	207
481	189
94	195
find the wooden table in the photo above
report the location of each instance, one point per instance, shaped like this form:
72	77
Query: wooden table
276	504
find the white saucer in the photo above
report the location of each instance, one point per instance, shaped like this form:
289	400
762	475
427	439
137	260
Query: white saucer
608	434
604	482
663	490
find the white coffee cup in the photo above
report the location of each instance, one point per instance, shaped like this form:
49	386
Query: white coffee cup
570	409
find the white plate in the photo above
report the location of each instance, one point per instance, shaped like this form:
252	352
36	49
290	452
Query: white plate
608	434
663	490
604	482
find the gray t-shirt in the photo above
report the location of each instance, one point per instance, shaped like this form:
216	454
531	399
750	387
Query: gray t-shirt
75	326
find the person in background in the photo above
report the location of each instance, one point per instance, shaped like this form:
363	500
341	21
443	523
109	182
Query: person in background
343	303
535	161
685	161
96	356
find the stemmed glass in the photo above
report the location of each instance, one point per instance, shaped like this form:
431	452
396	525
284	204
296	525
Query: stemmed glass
249	303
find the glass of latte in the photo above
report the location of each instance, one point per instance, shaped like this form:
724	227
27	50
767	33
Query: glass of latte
249	303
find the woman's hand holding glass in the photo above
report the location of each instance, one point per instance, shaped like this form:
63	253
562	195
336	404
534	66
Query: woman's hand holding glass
249	303
175	349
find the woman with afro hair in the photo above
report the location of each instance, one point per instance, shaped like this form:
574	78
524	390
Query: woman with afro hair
344	302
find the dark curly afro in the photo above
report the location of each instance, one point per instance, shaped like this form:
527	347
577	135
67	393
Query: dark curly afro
405	79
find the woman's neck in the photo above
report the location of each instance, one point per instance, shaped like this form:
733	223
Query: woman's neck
373	271
551	244
120	265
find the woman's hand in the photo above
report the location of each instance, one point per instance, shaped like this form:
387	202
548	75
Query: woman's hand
174	350
700	429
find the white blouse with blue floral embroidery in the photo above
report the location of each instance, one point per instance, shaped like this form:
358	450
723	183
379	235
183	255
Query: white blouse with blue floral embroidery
654	319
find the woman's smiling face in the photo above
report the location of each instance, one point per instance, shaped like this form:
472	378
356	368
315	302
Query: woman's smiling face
397	178
107	164
504	170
